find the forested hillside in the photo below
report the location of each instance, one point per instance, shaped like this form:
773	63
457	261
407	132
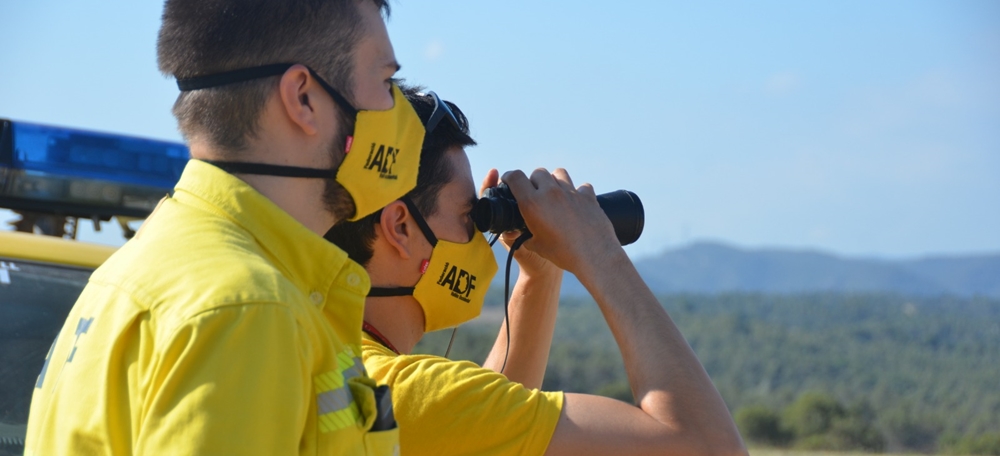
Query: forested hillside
917	373
711	268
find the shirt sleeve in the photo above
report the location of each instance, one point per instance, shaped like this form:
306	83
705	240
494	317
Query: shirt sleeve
460	408
231	380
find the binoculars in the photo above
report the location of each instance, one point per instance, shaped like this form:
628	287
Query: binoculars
497	212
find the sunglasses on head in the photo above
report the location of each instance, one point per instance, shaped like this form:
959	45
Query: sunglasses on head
441	111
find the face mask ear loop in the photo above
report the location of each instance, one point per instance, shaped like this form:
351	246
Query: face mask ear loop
417	217
525	235
337	97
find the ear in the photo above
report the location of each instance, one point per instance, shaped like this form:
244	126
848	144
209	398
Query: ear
394	230
298	92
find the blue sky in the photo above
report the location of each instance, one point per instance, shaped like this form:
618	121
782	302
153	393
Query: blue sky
860	128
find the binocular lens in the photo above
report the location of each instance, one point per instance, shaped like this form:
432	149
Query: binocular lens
625	211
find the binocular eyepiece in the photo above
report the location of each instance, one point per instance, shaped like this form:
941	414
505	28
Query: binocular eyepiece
497	212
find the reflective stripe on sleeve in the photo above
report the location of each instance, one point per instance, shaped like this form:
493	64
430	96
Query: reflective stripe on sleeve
334	401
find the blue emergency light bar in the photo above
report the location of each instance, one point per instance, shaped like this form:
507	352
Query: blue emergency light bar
84	174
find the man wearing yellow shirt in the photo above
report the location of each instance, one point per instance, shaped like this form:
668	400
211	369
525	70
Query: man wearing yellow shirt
228	325
459	408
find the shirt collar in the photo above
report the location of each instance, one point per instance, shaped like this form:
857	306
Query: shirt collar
311	262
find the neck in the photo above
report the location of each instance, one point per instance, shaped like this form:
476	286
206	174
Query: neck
302	198
398	318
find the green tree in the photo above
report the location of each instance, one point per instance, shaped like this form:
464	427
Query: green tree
820	422
909	429
813	413
760	424
856	430
617	390
985	444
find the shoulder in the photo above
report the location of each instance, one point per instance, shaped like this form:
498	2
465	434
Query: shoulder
458	407
454	383
255	327
185	263
388	367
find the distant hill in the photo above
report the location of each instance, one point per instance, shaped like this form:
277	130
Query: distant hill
711	268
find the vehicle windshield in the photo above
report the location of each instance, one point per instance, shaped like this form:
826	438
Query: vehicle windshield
34	301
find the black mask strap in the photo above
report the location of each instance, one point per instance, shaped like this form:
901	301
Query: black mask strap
263	71
424	227
232	77
344	104
382	292
264	169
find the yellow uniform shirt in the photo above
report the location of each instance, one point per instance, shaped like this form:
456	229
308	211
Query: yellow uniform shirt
224	327
449	407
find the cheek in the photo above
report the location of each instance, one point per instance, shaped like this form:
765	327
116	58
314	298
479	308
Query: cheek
373	93
425	254
463	230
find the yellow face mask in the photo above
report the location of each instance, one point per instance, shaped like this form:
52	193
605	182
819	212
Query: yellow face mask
455	279
382	156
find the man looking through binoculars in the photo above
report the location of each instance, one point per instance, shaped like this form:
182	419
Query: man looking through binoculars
452	407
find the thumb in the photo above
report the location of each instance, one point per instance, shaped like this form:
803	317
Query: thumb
491	180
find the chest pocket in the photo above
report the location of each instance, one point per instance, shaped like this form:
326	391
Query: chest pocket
378	419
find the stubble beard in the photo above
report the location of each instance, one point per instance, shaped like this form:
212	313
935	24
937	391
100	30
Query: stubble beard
336	199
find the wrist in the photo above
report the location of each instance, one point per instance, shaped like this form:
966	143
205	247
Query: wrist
602	267
546	272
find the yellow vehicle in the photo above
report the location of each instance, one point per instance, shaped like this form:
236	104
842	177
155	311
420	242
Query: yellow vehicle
51	179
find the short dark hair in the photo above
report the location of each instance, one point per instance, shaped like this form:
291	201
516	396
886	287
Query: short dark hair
201	37
357	238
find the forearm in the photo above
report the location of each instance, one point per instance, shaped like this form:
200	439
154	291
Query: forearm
533	308
680	412
668	381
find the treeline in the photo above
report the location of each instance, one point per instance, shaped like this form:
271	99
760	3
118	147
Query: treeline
890	373
817	421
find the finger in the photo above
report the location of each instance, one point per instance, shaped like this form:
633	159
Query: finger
586	189
542	179
520	185
562	177
528	245
491	180
508	237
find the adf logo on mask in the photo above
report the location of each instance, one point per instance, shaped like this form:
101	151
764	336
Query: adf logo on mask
458	280
382	159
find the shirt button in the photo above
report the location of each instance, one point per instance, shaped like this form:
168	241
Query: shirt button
353	279
316	297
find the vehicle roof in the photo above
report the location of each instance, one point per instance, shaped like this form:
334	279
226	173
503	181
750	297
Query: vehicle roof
50	249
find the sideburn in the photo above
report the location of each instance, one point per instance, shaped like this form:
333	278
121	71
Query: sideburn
335	197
